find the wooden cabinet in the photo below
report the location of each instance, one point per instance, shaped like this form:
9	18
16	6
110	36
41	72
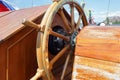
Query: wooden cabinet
18	44
18	60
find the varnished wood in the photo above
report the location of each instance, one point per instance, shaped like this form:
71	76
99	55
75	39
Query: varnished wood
47	24
97	54
59	35
66	23
65	65
65	49
18	57
38	74
9	27
94	69
72	16
78	22
20	41
2	14
31	24
18	44
99	42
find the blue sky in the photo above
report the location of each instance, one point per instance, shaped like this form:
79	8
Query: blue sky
98	7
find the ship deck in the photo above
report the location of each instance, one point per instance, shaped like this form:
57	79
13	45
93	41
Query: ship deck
97	54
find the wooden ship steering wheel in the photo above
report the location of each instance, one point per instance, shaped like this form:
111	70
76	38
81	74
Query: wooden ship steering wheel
57	40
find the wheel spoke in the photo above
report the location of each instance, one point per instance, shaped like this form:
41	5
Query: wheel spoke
78	22
59	35
72	16
65	65
65	49
68	28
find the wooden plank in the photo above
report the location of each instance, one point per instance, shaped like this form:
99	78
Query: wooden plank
2	14
93	69
99	42
22	62
3	61
12	23
17	43
101	33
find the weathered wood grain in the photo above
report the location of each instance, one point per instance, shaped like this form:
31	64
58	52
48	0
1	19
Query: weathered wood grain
97	54
99	42
93	69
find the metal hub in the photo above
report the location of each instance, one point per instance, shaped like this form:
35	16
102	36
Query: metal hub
73	39
55	43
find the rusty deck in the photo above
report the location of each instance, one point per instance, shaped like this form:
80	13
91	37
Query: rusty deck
97	54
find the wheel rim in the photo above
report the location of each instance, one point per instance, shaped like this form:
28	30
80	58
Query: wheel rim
67	38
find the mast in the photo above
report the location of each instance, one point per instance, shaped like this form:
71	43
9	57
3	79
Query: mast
90	17
83	4
107	18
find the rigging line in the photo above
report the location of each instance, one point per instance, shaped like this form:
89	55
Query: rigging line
108	6
32	3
